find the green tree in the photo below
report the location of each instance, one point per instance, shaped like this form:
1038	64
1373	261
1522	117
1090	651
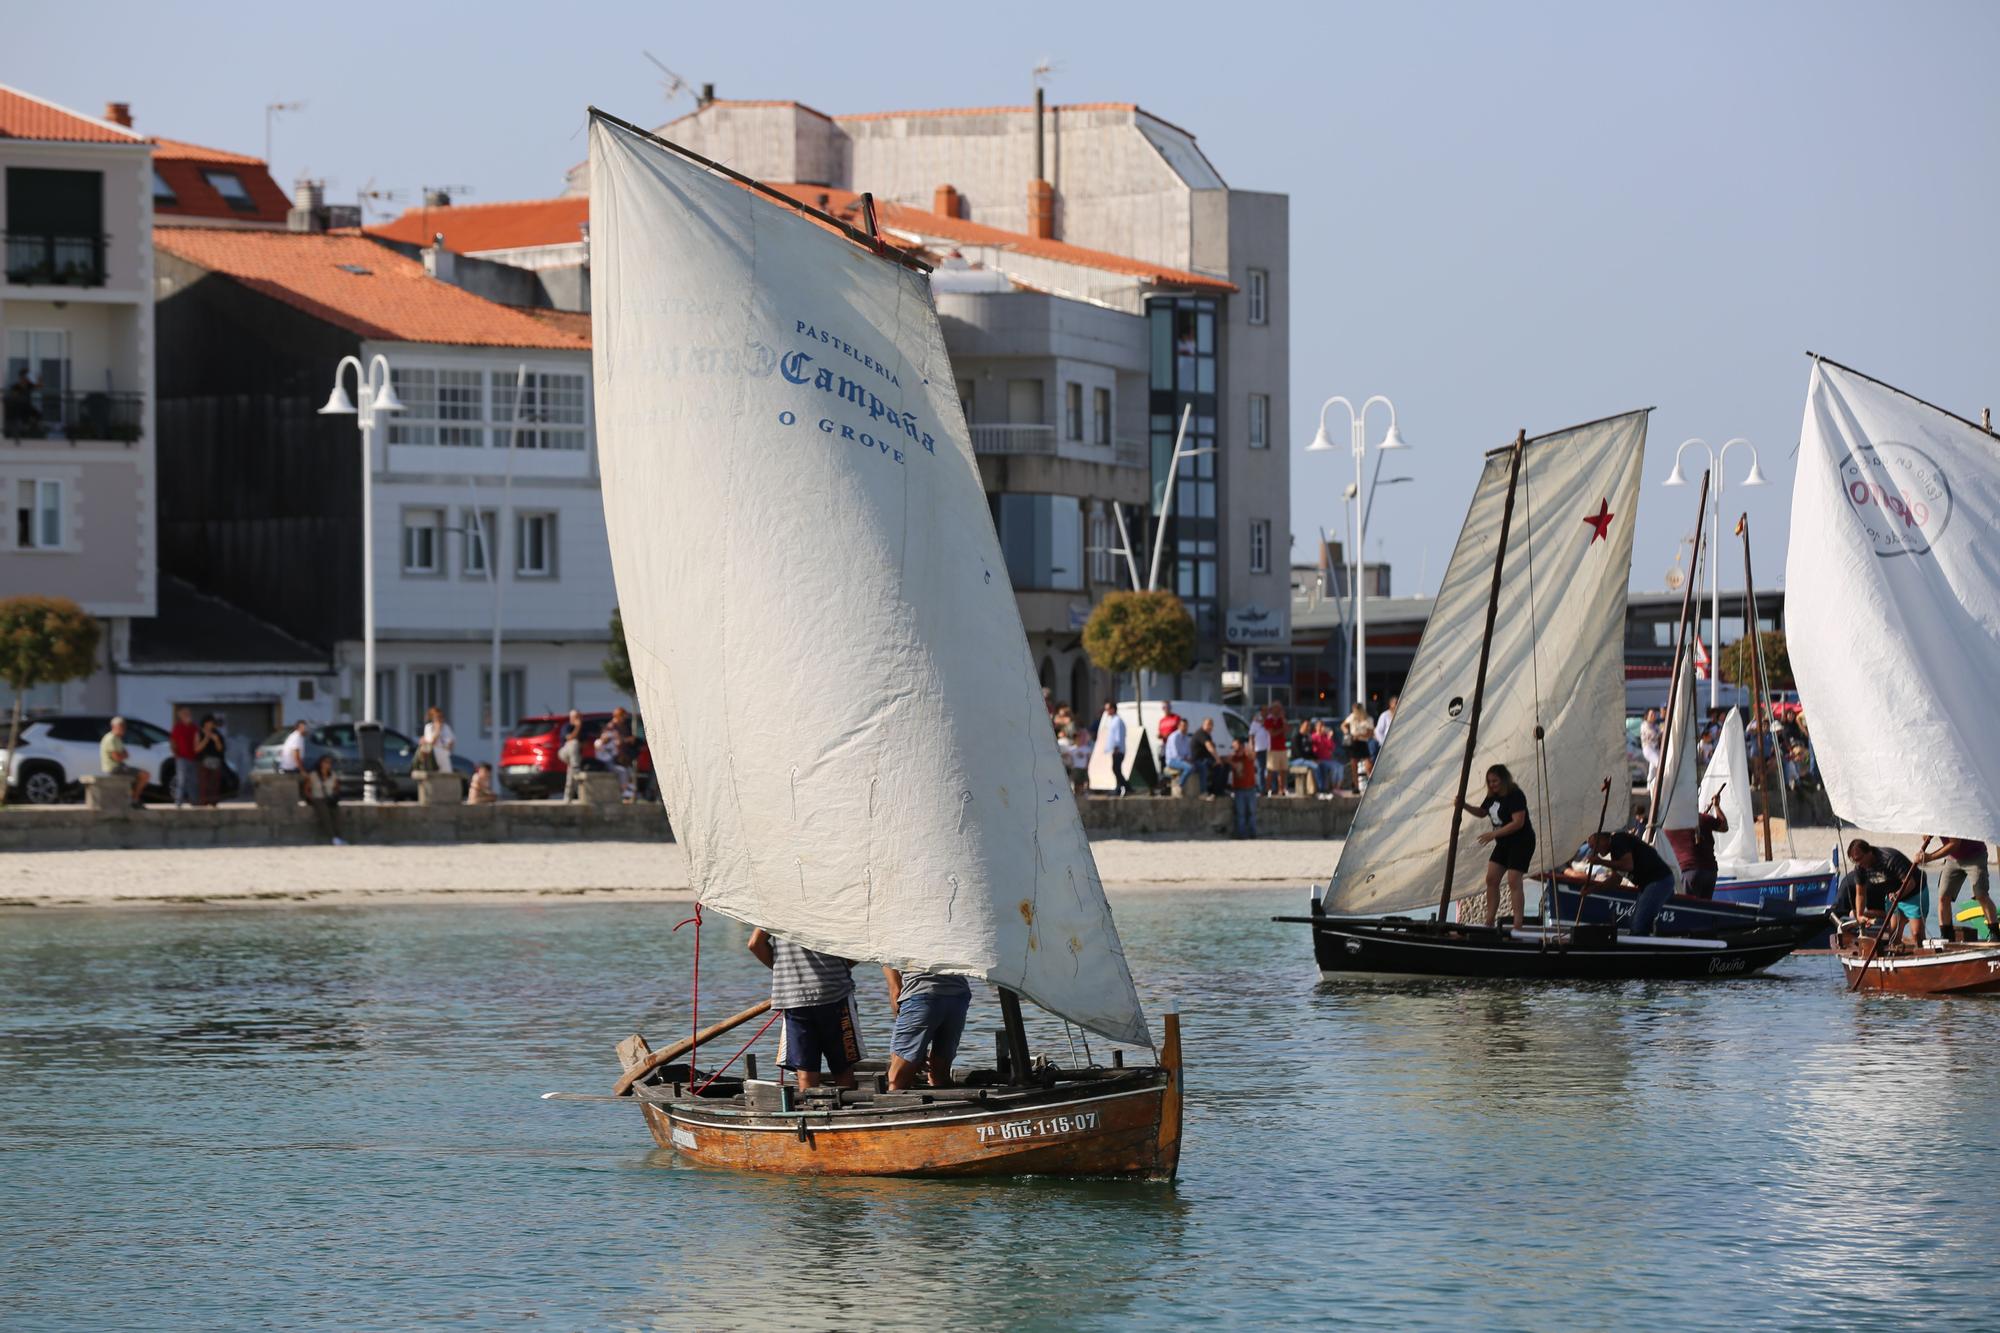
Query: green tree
1139	632
618	666
1735	661
43	641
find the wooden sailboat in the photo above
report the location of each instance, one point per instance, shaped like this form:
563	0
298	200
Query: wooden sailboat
1521	664
1893	613
848	727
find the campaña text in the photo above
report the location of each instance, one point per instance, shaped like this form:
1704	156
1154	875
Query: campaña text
794	368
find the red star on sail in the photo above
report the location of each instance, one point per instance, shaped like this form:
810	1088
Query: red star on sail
1600	522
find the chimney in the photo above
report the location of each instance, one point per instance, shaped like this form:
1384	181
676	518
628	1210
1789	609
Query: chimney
308	211
707	94
119	113
945	202
437	199
1041	209
439	262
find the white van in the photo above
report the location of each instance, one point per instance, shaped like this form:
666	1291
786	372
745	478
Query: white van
1230	724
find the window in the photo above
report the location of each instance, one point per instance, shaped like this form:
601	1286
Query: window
38	515
1260	546
230	186
1101	415
1260	421
385	694
1073	412
430	687
1103	547
479	530
1186	351
1042	538
423	530
535	546
551	400
163	193
55	227
965	398
439	407
1024	403
513	688
1257	293
43	355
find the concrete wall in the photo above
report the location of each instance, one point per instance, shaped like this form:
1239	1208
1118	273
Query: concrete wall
1256	483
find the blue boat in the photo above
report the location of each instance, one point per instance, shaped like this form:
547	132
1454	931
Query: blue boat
1737	903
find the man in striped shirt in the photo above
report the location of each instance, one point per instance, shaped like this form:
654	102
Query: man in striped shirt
814	994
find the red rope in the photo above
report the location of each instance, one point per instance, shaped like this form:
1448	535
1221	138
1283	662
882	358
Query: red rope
775	1014
694	1023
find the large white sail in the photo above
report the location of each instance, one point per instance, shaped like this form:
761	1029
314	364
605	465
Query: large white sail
1678	808
1557	661
848	730
1892	607
1729	773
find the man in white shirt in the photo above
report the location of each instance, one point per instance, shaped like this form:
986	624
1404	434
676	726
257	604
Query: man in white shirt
1111	736
1260	742
292	754
1382	726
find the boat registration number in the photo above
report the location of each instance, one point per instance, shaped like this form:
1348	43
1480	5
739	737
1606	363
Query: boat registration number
683	1138
1012	1131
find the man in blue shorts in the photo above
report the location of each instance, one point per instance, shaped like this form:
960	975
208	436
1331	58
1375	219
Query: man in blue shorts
814	996
930	1018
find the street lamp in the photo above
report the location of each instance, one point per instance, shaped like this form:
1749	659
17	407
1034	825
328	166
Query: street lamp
1357	427
375	393
1716	459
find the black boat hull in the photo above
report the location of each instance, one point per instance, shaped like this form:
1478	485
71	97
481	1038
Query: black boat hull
1393	947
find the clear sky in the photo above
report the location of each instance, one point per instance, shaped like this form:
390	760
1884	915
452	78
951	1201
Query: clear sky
1503	215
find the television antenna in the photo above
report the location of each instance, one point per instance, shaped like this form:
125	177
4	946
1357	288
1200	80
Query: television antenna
374	201
673	85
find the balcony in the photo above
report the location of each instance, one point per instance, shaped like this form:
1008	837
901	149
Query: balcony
96	415
49	259
1041	440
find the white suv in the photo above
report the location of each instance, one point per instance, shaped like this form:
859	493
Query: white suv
56	753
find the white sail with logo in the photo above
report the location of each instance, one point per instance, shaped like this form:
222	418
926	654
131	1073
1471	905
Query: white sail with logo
1892	606
848	730
1557	663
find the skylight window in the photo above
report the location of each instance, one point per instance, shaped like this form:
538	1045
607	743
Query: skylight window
354	268
163	193
230	186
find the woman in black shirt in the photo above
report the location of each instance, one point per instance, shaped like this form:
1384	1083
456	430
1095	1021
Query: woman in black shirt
1512	838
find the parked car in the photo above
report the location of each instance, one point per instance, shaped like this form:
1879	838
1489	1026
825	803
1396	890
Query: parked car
530	765
339	739
57	753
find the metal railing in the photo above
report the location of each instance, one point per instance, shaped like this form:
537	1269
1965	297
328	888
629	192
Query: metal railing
47	414
53	259
1013	438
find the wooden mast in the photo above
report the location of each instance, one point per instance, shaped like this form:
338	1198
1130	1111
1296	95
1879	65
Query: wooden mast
1654	799
1757	703
1017	1037
1479	681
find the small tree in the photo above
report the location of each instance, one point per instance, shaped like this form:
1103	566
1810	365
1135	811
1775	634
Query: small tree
618	666
1139	632
1735	661
43	641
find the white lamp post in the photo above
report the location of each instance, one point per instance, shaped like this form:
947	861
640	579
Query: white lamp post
1357	426
373	391
1717	459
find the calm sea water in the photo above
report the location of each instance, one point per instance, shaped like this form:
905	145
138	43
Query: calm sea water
329	1118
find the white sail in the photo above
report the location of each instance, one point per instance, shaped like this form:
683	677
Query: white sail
1679	809
1729	773
849	732
1892	607
1557	661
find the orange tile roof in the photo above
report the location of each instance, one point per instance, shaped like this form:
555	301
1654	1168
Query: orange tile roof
902	217
183	166
391	298
471	228
26	116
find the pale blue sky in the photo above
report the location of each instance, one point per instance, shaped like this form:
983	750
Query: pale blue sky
1503	215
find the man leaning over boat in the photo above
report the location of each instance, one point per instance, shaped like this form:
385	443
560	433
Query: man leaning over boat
814	994
1879	874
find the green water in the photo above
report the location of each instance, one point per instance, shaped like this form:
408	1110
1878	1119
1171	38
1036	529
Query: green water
329	1118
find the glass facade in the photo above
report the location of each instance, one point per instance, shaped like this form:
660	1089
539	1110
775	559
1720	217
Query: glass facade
1042	538
1186	345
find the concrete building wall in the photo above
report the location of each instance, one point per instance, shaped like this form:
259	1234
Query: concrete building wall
1255	233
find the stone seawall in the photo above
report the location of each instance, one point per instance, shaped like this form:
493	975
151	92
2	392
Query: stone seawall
78	828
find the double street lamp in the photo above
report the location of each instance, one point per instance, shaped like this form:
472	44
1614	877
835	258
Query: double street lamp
1717	461
1357	428
373	392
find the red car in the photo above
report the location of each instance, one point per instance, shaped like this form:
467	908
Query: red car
531	767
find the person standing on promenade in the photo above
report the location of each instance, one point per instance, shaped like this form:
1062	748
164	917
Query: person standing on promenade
1382	730
814	995
1649	743
321	788
1111	735
1325	766
1359	729
292	754
208	750
929	1009
1966	860
1278	763
1245	775
438	740
1170	722
574	750
1260	748
115	760
187	785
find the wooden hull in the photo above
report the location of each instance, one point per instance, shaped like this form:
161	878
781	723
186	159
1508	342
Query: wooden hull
1934	969
1349	948
1102	1123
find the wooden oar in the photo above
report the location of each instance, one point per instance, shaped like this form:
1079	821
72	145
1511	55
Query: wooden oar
1888	911
684	1046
